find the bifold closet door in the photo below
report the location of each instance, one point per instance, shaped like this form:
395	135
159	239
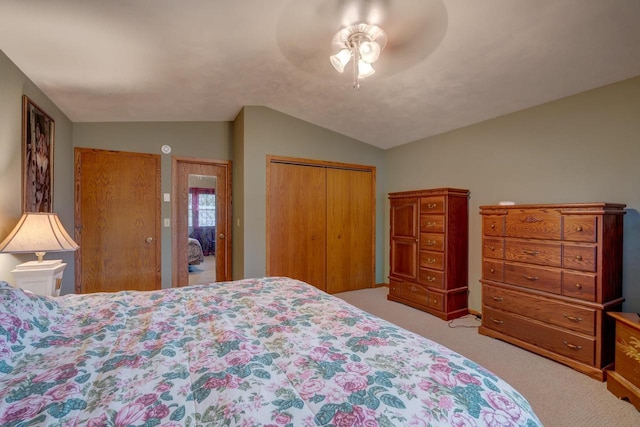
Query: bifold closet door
350	230
297	206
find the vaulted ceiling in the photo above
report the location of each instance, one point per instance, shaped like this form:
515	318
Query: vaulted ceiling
447	63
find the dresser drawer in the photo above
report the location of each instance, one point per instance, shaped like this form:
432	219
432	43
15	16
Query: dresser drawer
581	258
432	223
432	278
493	225
556	340
579	285
434	260
532	252
535	223
533	277
493	270
410	291
430	205
569	316
433	242
580	228
493	248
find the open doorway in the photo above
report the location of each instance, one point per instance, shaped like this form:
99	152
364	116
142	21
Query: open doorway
201	215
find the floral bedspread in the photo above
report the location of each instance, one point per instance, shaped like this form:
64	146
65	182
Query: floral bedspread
255	352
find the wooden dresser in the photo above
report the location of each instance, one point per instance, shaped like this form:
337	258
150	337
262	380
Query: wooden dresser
429	250
624	381
549	275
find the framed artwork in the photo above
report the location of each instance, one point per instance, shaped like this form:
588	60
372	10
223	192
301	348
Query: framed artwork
38	130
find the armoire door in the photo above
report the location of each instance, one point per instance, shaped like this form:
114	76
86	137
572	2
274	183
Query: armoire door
321	223
404	237
117	221
296	228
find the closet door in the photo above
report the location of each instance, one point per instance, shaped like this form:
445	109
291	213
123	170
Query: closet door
350	230
296	228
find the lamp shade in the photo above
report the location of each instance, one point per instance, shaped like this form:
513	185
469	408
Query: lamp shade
38	232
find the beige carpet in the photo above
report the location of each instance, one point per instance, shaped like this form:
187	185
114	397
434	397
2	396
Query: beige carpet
559	395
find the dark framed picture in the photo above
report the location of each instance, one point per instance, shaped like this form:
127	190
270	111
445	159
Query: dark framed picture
38	131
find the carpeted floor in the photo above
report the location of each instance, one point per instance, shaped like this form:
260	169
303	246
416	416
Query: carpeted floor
559	395
205	272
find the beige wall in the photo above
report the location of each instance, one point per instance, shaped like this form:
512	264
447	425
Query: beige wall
584	148
209	140
13	84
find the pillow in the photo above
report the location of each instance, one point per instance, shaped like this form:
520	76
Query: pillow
24	319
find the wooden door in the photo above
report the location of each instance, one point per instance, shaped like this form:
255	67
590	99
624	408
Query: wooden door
350	230
296	222
117	218
182	168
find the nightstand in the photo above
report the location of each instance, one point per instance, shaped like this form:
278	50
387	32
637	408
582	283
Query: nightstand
42	278
624	381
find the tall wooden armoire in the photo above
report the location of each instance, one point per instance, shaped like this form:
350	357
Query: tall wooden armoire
429	241
321	223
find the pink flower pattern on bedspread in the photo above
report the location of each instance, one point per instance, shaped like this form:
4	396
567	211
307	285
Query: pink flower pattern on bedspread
255	352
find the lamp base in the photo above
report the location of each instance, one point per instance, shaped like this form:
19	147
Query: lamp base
42	278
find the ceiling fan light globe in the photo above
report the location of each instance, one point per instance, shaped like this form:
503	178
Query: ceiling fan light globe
365	69
369	52
340	60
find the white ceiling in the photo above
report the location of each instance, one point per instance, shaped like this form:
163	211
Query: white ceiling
447	64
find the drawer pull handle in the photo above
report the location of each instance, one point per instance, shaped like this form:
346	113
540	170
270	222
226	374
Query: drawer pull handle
493	226
431	260
579	228
493	248
493	270
497	299
431	224
435	301
431	205
572	346
431	279
572	318
579	257
497	321
578	285
431	242
532	278
413	288
528	252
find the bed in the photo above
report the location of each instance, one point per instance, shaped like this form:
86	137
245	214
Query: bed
194	253
255	352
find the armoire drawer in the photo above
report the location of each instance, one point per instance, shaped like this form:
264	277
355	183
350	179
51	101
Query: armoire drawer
534	223
579	285
431	242
434	260
532	277
556	340
432	278
493	248
432	223
410	291
581	258
533	252
493	270
580	228
569	316
431	205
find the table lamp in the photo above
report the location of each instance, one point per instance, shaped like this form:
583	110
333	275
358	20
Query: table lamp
39	232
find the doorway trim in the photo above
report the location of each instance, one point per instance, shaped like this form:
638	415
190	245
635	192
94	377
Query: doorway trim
223	204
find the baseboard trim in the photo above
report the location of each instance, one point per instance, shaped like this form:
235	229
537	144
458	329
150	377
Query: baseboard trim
476	313
380	285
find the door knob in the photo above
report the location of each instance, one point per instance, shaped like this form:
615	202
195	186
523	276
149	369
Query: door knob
221	236
149	239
